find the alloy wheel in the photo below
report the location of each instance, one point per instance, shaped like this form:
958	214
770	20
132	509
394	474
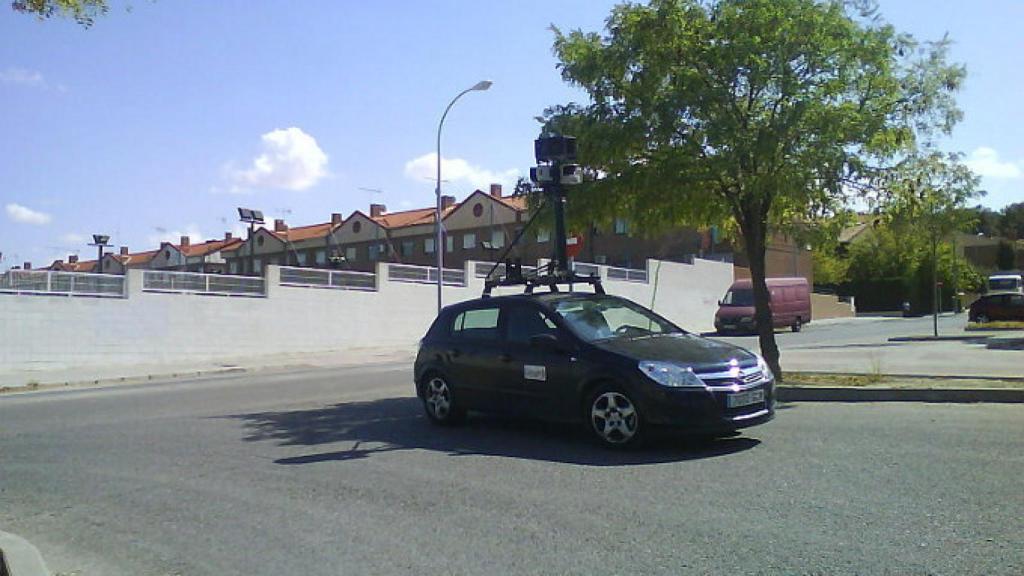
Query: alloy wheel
614	418
438	398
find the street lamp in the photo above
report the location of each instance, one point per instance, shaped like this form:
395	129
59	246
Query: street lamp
252	218
100	241
438	239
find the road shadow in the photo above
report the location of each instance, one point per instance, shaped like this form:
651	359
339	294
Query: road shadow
393	424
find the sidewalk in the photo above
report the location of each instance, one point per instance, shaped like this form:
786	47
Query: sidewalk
129	373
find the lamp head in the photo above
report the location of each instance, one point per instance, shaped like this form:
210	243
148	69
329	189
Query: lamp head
482	85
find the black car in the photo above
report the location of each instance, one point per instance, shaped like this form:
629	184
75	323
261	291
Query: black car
997	307
600	359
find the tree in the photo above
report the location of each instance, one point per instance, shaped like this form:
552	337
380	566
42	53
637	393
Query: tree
755	115
1005	257
82	11
1011	221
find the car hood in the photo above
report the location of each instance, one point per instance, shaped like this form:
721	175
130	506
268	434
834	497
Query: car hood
685	349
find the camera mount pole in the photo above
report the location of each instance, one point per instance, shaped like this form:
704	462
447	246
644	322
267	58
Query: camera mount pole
557	197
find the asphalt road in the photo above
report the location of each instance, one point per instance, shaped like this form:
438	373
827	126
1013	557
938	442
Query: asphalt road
337	472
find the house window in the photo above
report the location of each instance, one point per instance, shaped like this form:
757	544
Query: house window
621	226
321	257
356	227
543	235
468	241
408	246
259	240
351	254
257	265
374	251
600	259
478	209
300	257
233	267
497	238
428	246
449	243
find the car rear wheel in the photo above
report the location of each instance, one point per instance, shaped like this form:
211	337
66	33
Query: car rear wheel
613	417
797	324
440	403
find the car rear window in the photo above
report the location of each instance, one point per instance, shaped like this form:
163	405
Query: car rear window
478	324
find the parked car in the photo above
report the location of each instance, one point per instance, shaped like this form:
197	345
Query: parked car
997	307
593	358
790	303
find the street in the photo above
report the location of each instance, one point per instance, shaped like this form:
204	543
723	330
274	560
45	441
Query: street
336	471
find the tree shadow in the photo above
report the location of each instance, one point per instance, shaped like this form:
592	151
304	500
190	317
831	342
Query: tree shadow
393	424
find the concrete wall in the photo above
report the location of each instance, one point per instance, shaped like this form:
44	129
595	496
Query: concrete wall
55	332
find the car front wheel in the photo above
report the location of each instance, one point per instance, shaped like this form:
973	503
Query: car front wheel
981	318
440	403
613	417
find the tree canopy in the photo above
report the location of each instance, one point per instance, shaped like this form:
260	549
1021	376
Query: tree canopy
82	11
754	115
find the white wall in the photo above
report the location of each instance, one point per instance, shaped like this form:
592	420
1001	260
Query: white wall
54	332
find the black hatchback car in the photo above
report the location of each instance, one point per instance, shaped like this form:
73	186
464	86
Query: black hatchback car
595	358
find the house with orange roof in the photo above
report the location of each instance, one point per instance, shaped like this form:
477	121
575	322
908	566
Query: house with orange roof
207	257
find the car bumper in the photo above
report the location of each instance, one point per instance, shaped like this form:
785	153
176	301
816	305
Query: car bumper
734	325
707	410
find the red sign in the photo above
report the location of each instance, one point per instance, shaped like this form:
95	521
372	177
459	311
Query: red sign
574	246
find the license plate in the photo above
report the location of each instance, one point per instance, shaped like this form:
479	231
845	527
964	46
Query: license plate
745	398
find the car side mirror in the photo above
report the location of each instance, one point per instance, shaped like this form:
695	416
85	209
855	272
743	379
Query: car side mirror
548	342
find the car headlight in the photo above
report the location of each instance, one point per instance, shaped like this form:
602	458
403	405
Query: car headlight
766	372
671	375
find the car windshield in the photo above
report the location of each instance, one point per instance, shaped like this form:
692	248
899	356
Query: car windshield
603	318
739	297
1003	284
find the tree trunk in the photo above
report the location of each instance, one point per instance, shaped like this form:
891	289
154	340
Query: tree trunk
754	238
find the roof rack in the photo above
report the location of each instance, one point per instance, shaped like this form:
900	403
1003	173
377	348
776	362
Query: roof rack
552	278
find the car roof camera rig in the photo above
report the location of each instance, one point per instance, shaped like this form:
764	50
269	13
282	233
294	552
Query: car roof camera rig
556	168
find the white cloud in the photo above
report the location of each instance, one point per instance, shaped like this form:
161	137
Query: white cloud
72	238
457	169
26	215
291	160
22	77
984	161
174	236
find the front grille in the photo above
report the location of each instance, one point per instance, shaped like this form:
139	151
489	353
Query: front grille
751	378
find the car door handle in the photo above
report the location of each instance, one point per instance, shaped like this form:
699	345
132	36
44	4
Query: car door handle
454	352
505	357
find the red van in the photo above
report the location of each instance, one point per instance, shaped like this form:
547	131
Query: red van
790	302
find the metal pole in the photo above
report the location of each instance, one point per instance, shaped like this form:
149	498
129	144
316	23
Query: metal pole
561	253
252	248
438	236
935	287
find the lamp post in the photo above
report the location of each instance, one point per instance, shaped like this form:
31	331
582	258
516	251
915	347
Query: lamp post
100	241
438	239
252	218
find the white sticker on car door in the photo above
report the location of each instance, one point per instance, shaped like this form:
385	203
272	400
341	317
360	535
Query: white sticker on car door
535	372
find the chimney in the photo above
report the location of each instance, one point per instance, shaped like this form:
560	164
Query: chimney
496	190
377	210
184	241
124	250
73	259
447	202
280	226
228	236
335	219
26	266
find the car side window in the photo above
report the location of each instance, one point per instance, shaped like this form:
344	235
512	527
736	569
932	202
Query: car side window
526	321
1016	300
477	324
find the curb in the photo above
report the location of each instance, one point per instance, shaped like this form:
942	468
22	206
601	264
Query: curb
19	558
967	338
950	395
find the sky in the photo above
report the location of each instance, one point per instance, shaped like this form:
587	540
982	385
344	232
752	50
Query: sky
162	119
